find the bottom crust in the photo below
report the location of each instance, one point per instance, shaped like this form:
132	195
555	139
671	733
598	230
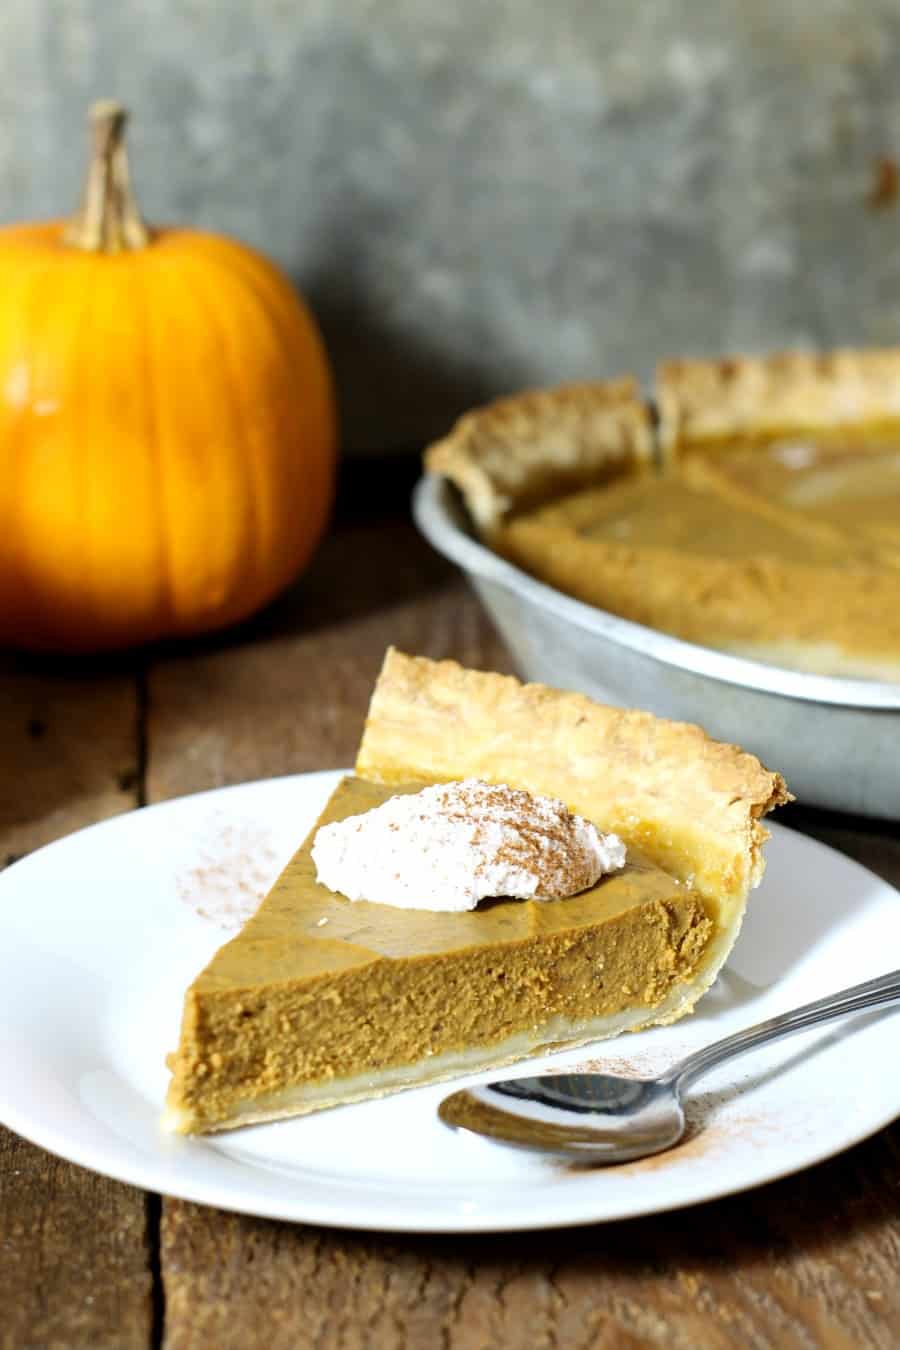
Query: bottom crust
557	1034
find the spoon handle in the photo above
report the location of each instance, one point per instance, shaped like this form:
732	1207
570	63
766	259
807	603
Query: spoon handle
872	994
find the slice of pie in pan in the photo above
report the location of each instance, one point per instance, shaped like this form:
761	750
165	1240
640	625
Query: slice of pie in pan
321	1000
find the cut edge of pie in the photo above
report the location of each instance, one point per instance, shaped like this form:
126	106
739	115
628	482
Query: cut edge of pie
690	806
303	1098
519	451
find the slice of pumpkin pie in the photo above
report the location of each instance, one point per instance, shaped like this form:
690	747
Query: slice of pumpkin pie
327	997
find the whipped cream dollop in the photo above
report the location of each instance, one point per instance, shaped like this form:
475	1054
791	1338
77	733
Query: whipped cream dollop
449	846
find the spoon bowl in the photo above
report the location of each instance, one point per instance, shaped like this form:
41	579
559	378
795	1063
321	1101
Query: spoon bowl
608	1118
572	1115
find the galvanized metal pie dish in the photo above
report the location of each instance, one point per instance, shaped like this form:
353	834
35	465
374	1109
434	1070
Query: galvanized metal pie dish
836	740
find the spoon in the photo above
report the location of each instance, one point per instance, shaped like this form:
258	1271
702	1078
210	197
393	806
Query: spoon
605	1118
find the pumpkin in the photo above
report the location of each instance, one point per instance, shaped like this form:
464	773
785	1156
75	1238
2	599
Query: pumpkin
167	424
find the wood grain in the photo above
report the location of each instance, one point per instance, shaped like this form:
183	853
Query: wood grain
75	1254
806	1262
68	750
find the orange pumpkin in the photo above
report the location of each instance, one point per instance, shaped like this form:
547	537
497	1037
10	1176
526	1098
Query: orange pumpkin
167	424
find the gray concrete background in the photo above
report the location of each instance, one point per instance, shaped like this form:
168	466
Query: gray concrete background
480	196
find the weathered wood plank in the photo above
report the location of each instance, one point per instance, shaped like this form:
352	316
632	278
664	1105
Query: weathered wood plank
75	1250
68	750
800	1263
75	1256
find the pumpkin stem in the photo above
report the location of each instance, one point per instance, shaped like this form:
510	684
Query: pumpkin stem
108	220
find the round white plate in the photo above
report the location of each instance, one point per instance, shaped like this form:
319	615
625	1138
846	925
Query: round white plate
101	932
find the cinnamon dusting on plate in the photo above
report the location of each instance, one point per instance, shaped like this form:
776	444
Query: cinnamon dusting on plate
233	869
711	1129
701	1140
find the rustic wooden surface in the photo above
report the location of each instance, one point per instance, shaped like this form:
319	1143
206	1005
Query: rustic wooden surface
805	1262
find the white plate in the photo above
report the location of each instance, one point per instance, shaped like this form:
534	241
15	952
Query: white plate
101	932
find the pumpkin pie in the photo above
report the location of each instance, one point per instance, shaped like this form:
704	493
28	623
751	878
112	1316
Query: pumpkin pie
760	514
320	1001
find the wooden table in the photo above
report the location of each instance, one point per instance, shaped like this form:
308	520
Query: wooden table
806	1262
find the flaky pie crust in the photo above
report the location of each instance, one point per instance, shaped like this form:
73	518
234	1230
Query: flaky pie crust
692	804
519	451
785	393
522	451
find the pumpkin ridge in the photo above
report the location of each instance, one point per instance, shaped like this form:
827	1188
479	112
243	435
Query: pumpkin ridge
290	355
88	361
156	451
306	503
265	283
240	446
82	463
191	603
21	593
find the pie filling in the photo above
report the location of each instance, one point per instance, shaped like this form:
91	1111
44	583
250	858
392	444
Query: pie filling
298	1099
320	1000
854	486
788	551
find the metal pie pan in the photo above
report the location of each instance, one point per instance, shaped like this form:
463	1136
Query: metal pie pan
836	740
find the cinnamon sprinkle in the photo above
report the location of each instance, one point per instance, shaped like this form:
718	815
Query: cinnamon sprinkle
234	867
